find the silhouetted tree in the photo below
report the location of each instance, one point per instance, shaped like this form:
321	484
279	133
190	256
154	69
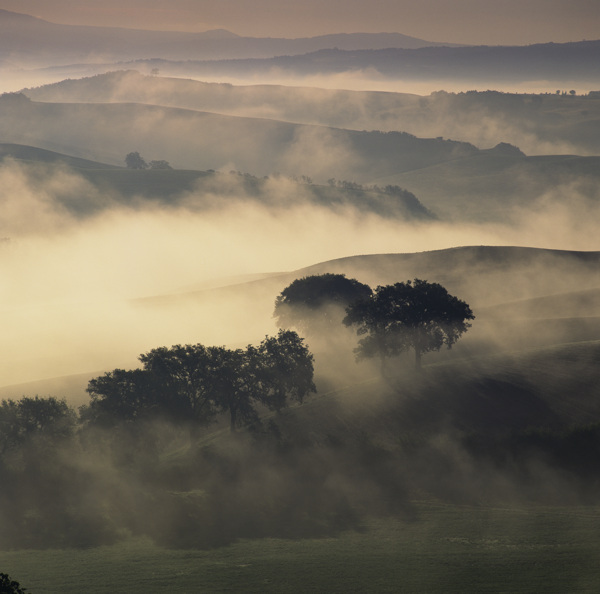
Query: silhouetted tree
418	315
286	369
160	165
190	384
124	395
8	586
316	303
173	384
135	161
46	421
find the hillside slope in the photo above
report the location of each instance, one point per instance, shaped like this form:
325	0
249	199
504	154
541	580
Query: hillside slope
204	190
537	123
201	140
562	287
492	186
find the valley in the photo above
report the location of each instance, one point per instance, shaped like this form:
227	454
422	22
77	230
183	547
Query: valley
161	191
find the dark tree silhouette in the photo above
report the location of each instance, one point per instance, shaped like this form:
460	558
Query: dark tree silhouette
184	384
8	586
45	420
135	161
172	385
286	369
126	395
315	304
160	165
418	315
190	384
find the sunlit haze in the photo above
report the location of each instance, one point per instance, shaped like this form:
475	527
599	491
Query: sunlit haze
494	22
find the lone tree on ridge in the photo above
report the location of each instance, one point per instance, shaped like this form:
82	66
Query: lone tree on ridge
418	315
135	161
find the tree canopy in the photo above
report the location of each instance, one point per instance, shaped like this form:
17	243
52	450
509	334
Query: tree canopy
191	384
418	315
45	420
316	303
9	586
135	161
160	164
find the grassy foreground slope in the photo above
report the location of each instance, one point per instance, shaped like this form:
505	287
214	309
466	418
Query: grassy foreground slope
447	548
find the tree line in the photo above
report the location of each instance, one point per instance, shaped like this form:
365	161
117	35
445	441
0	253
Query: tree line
79	478
192	384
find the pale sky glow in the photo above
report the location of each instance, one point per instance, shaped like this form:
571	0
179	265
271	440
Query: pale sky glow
494	22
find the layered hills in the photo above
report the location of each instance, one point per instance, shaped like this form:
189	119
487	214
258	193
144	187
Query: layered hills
192	139
323	134
537	123
576	61
204	190
30	40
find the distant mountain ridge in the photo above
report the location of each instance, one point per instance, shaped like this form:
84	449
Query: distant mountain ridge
27	39
548	61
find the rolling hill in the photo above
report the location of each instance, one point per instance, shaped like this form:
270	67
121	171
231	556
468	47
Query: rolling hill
576	62
539	124
196	190
30	40
201	140
33	154
504	286
497	187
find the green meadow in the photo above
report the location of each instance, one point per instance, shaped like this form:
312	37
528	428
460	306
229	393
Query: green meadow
439	548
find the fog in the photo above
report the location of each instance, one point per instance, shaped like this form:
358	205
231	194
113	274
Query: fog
100	264
14	79
539	124
461	21
76	288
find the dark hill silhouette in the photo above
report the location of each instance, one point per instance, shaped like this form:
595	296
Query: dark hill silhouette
32	40
482	275
575	61
562	305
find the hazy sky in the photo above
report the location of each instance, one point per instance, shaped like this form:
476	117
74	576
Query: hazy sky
461	21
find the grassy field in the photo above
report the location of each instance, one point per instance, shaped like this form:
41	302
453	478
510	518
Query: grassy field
442	548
